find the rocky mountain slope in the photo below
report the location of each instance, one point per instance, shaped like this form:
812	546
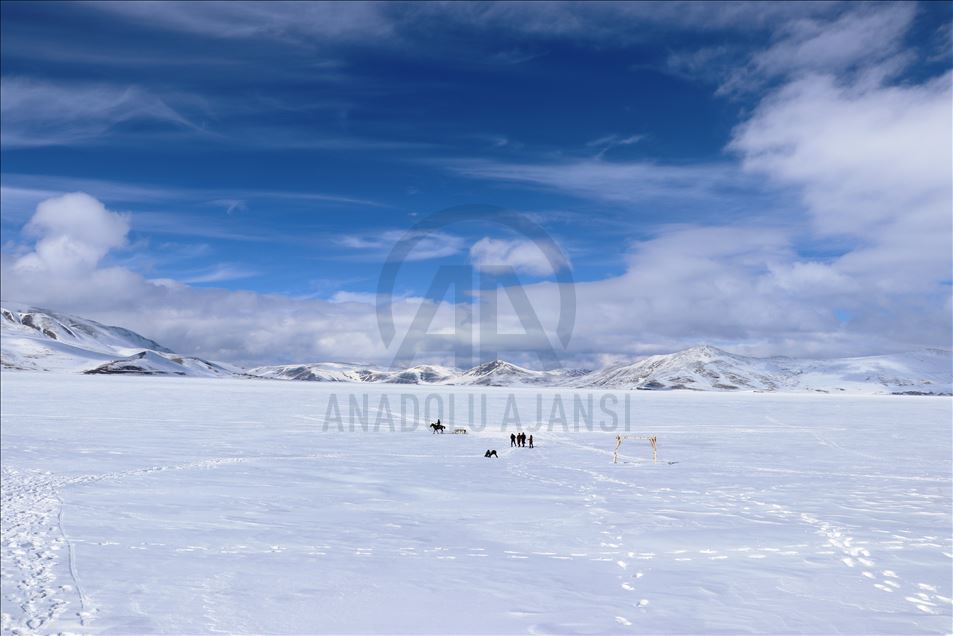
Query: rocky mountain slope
43	340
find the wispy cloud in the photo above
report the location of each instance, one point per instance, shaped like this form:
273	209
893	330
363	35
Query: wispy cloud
296	22
219	273
382	23
28	190
42	113
231	205
608	142
618	140
625	182
427	245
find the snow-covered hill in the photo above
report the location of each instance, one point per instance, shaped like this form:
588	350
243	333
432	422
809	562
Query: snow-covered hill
501	373
346	372
706	368
495	373
42	340
153	363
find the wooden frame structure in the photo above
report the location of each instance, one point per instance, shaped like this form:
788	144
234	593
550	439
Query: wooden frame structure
621	438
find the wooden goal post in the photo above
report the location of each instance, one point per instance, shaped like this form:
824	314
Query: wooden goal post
621	438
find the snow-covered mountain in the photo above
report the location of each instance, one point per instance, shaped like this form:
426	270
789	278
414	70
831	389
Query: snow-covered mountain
79	332
42	340
501	373
39	339
706	368
495	373
346	372
700	368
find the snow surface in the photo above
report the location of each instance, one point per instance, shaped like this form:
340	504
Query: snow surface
187	505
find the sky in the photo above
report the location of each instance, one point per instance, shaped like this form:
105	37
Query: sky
231	179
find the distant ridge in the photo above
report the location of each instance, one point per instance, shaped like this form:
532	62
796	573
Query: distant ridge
43	340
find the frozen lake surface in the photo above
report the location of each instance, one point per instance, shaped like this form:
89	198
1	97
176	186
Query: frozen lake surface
167	505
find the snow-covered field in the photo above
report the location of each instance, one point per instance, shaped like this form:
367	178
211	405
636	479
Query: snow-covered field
174	505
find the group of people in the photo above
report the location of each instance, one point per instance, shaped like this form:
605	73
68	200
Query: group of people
520	440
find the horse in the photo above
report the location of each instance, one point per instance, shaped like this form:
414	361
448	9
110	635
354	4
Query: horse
438	428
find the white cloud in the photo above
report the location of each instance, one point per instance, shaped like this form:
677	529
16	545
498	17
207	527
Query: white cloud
538	259
74	232
42	113
426	245
870	159
834	39
598	23
219	273
866	35
608	142
64	271
742	286
273	20
615	140
627	182
231	205
873	163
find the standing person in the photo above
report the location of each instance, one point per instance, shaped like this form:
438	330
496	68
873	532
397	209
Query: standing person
530	441
512	439
521	438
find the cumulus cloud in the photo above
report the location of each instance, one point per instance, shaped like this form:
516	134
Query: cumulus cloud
537	259
746	287
74	232
64	270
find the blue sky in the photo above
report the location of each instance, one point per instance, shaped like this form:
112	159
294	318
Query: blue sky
272	154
